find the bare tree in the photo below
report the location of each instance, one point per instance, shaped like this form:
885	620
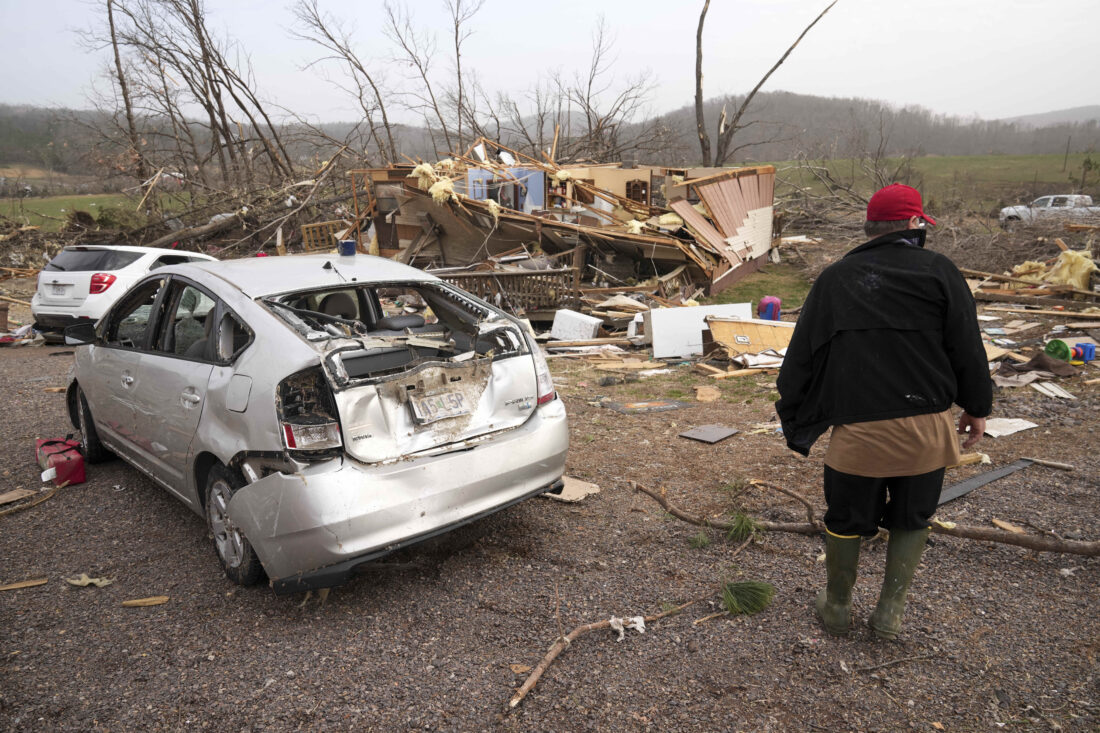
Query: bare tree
318	29
727	129
462	11
418	50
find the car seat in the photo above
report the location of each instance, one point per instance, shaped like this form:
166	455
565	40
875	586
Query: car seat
341	305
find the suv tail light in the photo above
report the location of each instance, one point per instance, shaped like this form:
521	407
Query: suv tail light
100	282
307	414
544	383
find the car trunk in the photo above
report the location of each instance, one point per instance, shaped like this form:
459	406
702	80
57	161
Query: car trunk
402	385
66	280
434	405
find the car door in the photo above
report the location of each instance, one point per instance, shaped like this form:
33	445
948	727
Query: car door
112	375
175	372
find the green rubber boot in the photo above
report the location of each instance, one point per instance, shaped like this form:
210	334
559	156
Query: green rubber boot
902	557
834	602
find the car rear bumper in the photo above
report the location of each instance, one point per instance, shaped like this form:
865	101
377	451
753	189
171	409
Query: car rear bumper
312	529
57	321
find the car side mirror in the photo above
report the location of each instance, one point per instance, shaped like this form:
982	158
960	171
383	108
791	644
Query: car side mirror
80	333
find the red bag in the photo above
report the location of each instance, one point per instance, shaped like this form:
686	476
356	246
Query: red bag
64	456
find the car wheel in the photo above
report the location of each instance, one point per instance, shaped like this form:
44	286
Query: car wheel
94	451
234	550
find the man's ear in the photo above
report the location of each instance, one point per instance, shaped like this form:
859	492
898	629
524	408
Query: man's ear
914	222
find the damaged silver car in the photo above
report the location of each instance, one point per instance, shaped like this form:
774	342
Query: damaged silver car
318	411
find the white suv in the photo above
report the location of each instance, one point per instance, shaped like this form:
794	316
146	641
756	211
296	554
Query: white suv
83	281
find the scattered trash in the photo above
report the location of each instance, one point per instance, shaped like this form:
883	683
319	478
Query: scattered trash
1052	390
621	624
63	458
574	490
520	668
709	433
83	580
999	427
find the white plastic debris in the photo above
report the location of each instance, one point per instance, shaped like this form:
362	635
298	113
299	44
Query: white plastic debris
621	624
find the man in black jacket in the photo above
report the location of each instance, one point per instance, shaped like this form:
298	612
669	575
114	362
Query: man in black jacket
887	340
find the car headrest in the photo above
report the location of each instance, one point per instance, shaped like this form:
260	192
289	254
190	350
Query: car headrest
399	323
339	304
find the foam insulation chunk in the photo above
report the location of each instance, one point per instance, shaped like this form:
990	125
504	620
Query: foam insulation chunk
635	227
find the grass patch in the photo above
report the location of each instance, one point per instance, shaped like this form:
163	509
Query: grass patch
785	281
50	212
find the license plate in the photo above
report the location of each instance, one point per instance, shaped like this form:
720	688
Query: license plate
432	407
57	289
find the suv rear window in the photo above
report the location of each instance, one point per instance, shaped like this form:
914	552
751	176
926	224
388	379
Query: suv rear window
84	260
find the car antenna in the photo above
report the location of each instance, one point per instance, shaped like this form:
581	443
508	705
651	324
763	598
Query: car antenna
329	266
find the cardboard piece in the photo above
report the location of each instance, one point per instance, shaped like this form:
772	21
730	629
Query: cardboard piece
709	433
678	332
574	490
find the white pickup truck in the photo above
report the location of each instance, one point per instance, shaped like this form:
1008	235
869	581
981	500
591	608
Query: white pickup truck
1053	208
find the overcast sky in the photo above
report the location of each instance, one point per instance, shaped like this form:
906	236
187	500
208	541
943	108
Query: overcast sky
984	58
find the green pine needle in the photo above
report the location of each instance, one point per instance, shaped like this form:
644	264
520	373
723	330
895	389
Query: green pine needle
742	527
747	597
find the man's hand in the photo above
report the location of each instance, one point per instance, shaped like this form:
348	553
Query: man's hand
975	426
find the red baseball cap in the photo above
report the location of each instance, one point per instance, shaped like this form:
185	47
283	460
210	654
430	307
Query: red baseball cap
895	202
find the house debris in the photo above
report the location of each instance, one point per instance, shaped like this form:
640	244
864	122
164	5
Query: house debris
535	236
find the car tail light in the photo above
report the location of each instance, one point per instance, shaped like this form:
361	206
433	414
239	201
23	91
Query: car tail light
100	282
544	383
307	413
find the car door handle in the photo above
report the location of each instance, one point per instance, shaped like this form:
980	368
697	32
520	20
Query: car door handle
127	380
191	397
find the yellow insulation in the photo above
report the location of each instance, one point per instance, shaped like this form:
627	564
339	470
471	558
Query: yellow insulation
634	226
443	191
425	176
494	209
1072	268
670	220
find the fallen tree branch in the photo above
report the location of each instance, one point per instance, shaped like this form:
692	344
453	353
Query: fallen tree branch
796	527
794	495
563	642
985	534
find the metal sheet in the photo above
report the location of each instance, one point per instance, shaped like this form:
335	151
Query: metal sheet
974	482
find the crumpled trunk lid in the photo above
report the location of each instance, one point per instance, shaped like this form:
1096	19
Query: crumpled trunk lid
435	405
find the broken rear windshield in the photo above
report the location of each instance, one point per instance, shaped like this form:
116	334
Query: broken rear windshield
84	260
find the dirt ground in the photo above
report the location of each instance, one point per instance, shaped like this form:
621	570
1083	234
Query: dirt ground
995	636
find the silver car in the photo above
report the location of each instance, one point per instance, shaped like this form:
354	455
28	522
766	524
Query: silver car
319	411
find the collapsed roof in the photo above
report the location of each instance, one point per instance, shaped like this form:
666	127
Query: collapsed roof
613	222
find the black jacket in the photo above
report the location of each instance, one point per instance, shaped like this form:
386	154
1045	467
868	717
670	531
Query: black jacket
888	331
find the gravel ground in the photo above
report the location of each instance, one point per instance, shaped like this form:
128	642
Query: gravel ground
996	636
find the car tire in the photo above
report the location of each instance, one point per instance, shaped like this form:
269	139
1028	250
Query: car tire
94	451
234	551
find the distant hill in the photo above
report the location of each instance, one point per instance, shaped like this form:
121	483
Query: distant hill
1073	115
778	126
